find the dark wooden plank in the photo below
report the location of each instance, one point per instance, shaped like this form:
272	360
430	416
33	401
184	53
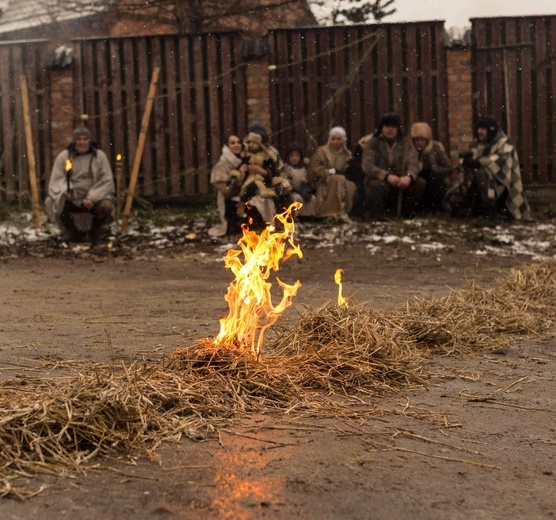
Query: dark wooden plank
526	100
539	129
298	102
20	148
341	116
201	123
215	133
240	83
412	71
383	73
397	71
311	85
8	165
427	71
130	107
441	127
369	43
326	93
186	116
116	87
510	65
171	66
497	102
101	115
354	88
283	113
228	98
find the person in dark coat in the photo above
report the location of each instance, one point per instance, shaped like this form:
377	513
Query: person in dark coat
390	163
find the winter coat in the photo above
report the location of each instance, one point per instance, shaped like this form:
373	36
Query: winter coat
90	178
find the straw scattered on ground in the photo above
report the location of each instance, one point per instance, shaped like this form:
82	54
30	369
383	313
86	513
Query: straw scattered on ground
333	354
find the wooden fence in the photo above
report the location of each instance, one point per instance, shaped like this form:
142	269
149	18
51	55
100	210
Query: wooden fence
319	77
515	80
200	98
17	59
351	76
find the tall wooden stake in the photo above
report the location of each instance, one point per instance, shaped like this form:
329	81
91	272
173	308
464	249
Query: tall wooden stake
30	153
140	147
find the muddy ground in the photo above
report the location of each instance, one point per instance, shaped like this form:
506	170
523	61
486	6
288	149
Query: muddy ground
478	442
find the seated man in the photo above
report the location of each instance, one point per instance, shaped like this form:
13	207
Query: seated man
490	174
434	166
81	189
391	167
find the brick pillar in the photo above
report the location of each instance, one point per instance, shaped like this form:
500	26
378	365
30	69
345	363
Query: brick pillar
62	116
460	100
258	92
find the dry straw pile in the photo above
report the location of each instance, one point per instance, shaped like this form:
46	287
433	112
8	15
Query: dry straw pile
330	355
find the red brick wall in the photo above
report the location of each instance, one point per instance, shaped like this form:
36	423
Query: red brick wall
258	92
62	117
460	100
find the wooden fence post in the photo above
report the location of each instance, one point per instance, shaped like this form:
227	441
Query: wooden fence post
30	153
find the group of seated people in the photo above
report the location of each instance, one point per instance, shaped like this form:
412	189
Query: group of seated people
388	174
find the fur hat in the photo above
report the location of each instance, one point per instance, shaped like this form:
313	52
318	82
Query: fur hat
81	131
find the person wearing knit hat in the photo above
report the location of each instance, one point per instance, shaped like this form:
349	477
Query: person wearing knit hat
334	192
490	178
434	166
81	189
390	164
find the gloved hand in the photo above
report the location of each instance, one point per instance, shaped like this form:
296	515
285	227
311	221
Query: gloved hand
469	162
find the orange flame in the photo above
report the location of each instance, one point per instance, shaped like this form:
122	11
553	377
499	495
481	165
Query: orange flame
342	302
249	300
68	165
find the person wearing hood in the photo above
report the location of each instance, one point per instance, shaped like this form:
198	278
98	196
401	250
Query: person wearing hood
491	184
295	171
434	166
226	178
81	190
335	194
391	167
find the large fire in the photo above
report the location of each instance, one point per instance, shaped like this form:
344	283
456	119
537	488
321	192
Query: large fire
249	299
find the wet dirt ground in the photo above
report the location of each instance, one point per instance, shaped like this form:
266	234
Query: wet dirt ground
478	442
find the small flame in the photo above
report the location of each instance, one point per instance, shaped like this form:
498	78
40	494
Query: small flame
342	302
248	296
68	165
119	157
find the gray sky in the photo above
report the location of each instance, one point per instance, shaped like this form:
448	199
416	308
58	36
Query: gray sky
457	12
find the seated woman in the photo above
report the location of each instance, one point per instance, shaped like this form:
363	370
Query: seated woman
227	177
295	171
334	193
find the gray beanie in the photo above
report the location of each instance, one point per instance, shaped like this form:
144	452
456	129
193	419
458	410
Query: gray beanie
81	131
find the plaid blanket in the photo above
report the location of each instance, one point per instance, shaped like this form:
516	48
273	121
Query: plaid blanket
502	164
